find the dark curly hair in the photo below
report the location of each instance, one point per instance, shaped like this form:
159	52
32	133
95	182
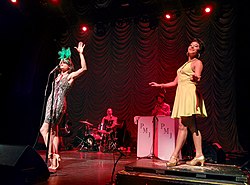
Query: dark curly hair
201	44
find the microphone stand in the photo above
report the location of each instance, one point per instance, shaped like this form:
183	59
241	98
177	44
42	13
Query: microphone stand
155	119
113	171
152	155
51	115
195	125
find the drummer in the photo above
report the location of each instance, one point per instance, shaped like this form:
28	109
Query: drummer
109	123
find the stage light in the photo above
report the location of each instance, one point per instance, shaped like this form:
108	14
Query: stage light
84	28
168	16
207	9
55	2
14	1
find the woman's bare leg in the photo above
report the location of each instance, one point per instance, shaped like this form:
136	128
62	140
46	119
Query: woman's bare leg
181	138
198	144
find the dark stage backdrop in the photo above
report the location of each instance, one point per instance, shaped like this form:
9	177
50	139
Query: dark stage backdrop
129	55
122	59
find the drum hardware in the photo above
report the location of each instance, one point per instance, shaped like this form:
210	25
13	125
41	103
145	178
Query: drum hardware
88	143
94	132
86	126
103	132
113	144
87	123
84	140
81	143
108	143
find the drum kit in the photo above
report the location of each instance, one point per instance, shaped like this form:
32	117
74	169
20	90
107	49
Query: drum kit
93	139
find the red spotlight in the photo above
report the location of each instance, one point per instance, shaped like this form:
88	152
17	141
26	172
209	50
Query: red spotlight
167	16
14	1
207	9
84	28
55	2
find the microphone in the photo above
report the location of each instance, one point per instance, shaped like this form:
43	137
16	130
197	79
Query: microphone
55	69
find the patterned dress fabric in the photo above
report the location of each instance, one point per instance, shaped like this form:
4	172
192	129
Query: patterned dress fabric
61	89
188	101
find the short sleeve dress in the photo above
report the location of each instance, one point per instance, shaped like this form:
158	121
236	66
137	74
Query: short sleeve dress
61	89
188	101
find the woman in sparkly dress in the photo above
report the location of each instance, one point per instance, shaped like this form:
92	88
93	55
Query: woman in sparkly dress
188	103
61	86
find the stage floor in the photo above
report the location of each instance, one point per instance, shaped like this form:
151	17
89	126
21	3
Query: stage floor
96	168
88	168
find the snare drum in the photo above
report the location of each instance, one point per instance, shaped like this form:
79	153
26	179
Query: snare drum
95	134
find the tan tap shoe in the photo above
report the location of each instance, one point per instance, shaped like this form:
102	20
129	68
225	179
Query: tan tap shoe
197	161
173	161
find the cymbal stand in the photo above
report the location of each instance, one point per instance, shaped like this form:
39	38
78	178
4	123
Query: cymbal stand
52	115
110	143
81	143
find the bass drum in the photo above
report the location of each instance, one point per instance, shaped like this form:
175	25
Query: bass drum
90	143
94	132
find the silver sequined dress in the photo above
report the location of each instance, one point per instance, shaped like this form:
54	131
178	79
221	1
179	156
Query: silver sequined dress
61	89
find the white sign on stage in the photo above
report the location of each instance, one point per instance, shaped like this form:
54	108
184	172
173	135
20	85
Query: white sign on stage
144	135
166	130
156	136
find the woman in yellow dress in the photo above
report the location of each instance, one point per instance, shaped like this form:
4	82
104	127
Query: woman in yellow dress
188	103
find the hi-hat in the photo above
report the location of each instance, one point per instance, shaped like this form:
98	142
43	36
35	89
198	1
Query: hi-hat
87	123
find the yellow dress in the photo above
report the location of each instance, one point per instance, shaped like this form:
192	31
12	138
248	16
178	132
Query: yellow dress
187	100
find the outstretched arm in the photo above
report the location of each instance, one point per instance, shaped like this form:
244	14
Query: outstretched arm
198	67
165	85
83	68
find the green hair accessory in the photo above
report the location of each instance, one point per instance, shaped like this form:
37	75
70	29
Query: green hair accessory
64	54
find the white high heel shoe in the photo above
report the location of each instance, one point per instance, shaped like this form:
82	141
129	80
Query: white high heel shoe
55	162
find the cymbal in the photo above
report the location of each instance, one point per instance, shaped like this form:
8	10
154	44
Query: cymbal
87	123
